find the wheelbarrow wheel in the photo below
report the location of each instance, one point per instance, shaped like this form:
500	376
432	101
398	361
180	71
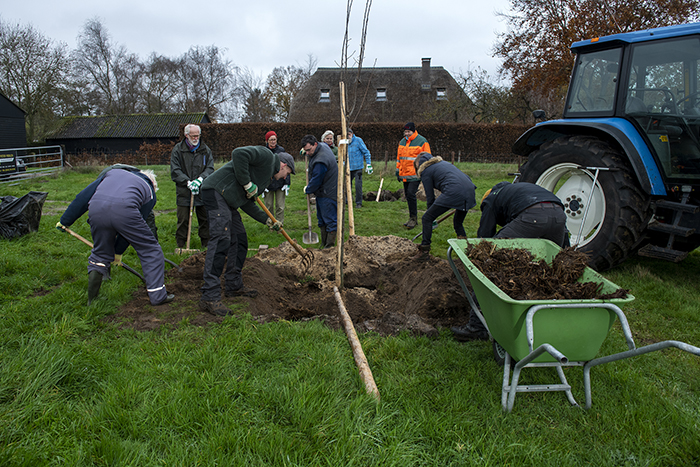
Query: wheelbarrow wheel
499	354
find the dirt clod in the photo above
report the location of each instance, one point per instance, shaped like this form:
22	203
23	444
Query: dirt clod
516	272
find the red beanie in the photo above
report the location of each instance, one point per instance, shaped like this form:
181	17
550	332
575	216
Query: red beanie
268	134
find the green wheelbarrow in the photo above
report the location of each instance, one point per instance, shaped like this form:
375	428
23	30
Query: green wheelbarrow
546	333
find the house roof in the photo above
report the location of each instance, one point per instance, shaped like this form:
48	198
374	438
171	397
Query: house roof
407	93
126	126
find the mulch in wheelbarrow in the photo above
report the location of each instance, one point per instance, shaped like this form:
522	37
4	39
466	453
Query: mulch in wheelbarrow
523	277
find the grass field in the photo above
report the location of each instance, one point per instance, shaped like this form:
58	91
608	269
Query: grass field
76	391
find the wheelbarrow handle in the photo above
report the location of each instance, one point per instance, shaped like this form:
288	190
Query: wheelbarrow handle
89	243
299	249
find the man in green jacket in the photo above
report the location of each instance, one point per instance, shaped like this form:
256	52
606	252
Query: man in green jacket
190	163
235	185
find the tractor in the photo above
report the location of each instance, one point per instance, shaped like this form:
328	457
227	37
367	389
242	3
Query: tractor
625	156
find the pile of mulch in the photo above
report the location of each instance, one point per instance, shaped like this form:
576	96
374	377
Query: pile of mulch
522	277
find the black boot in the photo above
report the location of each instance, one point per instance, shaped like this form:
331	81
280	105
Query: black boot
324	236
330	239
94	283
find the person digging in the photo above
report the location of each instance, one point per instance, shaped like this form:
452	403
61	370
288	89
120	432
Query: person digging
523	210
456	192
235	185
119	203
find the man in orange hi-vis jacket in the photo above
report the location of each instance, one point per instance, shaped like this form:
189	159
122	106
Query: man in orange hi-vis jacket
410	146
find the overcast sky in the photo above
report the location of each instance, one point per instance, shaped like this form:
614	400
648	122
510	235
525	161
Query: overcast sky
261	35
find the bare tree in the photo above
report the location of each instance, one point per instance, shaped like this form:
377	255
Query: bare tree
112	74
32	71
283	84
207	80
160	84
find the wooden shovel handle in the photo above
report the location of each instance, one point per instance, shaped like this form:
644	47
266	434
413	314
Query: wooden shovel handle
299	249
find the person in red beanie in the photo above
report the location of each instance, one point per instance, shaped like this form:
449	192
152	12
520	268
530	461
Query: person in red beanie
274	195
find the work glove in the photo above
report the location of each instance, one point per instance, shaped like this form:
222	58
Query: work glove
302	152
305	190
60	226
117	260
276	225
435	225
397	175
251	189
369	169
285	188
194	185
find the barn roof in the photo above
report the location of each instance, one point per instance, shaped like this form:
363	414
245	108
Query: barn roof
126	126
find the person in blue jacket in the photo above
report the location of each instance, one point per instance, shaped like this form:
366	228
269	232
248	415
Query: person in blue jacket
457	192
359	158
323	182
118	203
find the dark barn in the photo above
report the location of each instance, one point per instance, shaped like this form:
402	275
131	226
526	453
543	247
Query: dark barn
112	134
14	132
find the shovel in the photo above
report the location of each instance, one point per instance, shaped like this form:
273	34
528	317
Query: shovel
88	243
182	251
446	216
307	256
310	236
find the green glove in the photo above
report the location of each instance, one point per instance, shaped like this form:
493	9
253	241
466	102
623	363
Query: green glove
276	225
251	189
117	260
60	226
369	169
435	225
302	152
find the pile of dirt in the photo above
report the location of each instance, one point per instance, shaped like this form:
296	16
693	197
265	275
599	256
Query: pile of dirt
384	291
516	272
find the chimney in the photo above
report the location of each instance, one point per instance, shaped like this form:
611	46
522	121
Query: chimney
425	74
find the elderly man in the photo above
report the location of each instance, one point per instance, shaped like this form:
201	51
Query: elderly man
191	162
118	203
410	146
323	182
235	185
358	156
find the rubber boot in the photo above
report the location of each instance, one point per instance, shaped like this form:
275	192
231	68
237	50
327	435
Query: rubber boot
412	222
324	236
94	283
330	239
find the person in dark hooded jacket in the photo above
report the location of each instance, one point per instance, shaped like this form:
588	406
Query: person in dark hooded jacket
457	192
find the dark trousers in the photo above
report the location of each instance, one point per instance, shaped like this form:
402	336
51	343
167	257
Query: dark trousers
183	220
109	217
542	220
433	213
410	189
327	213
356	176
227	247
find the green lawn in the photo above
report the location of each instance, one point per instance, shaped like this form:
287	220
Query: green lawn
76	391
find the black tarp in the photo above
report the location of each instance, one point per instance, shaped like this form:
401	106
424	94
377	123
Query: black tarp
20	216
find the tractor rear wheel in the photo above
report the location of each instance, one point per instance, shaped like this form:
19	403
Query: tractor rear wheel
607	211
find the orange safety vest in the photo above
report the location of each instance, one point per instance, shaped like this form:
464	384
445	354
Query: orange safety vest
407	153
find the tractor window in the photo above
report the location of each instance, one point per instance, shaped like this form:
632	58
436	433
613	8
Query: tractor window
662	98
594	83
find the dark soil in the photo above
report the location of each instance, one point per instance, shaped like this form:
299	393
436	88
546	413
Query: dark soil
521	277
384	291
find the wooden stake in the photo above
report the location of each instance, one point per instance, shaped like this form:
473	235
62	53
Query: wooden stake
342	156
357	353
380	189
